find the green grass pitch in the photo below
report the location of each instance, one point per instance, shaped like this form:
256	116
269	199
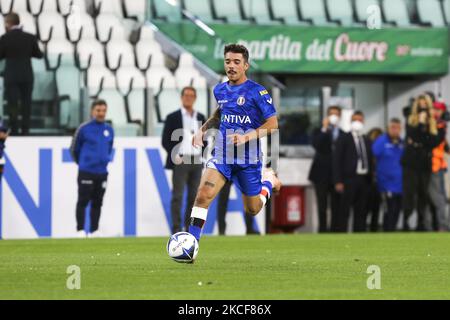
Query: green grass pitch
413	266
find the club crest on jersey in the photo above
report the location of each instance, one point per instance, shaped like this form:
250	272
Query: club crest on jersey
241	101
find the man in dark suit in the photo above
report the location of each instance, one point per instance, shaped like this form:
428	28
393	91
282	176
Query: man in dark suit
182	158
352	167
323	141
17	48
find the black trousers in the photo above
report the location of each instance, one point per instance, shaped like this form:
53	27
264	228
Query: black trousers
354	198
91	189
18	96
184	175
415	196
325	195
373	207
222	208
392	213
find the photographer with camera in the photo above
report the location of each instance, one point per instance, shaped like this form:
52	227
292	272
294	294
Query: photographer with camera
438	196
421	139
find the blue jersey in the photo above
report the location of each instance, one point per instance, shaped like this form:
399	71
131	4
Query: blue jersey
243	108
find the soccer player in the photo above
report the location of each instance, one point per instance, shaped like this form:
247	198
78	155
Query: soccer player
245	114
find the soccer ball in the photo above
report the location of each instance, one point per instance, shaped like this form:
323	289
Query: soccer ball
182	247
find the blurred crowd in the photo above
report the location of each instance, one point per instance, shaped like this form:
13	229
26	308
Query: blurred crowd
383	181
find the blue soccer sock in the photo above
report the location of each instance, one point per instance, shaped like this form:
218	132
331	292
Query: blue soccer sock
198	219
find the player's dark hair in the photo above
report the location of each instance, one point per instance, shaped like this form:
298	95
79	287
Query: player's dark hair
188	88
358	113
395	120
98	102
337	108
13	19
237	48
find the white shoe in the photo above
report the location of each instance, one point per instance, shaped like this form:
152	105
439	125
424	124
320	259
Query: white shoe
95	234
270	175
81	234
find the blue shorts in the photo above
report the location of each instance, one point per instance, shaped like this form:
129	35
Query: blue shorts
247	177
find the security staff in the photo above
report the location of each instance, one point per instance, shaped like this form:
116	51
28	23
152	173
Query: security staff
91	149
17	48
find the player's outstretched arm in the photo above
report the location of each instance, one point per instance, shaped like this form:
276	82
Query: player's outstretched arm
212	122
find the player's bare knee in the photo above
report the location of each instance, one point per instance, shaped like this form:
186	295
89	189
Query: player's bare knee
204	197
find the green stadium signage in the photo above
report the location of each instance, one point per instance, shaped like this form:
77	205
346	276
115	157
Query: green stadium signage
282	49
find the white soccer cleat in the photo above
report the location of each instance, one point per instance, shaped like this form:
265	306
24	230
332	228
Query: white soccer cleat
81	234
270	175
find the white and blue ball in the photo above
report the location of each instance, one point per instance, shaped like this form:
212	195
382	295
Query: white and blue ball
183	247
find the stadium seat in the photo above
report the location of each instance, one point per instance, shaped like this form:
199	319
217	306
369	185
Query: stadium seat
68	6
59	47
186	74
228	10
361	8
28	23
446	5
200	8
83	23
18	6
136	9
97	71
158	75
288	12
163	10
341	10
258	11
429	11
51	26
109	7
146	47
120	52
44	81
314	11
395	11
68	85
47	6
107	22
117	113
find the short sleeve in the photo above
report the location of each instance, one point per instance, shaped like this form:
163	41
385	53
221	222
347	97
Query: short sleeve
265	103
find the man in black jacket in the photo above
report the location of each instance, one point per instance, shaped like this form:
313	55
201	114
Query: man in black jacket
323	141
184	160
352	167
17	48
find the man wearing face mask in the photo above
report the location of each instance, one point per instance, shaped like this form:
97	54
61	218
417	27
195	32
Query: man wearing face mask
324	141
352	166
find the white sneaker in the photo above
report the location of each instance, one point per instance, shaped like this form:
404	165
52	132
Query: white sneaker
270	175
95	234
81	234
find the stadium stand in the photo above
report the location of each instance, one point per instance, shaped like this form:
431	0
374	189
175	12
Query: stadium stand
396	12
288	13
258	12
446	9
429	12
201	9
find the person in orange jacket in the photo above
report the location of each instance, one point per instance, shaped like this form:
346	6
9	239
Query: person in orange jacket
438	195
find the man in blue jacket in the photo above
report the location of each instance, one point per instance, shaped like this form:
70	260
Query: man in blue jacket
91	149
388	151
